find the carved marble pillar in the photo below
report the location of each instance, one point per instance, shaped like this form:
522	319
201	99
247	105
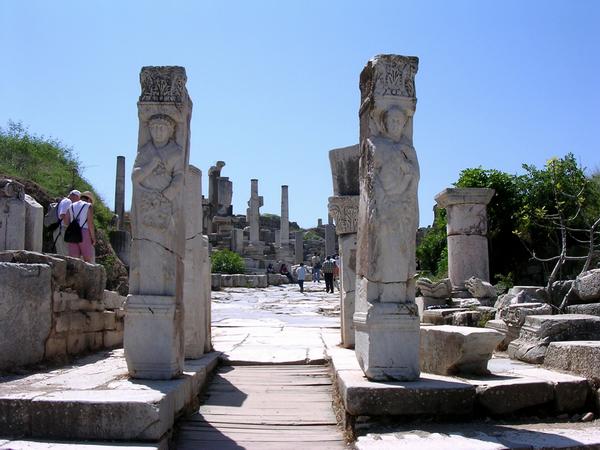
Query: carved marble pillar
154	333
386	318
193	301
284	227
466	210
330	237
120	191
214	173
343	207
253	212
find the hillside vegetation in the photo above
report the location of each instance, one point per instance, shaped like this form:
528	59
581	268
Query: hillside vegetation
46	162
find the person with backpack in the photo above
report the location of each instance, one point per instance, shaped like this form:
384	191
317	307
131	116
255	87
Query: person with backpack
80	233
328	268
55	221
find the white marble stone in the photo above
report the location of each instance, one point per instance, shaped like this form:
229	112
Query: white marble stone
34	224
284	228
194	320
467	233
386	317
253	212
154	335
12	215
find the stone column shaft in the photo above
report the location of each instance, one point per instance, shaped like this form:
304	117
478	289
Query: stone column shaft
467	234
284	227
299	246
120	191
253	212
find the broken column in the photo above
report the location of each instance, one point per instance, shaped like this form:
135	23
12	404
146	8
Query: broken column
299	247
284	227
253	212
12	215
386	318
467	235
154	334
194	321
120	191
343	207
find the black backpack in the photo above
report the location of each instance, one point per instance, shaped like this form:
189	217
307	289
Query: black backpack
73	232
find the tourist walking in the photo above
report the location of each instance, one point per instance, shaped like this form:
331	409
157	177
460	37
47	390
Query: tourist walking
336	272
301	275
328	268
316	268
82	213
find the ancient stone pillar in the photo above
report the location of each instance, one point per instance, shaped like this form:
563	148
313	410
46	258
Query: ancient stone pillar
253	212
120	191
12	215
329	237
34	224
214	174
154	335
284	227
467	234
193	301
205	276
386	318
299	247
343	207
319	223
237	240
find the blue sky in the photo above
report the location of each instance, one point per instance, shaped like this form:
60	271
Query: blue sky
275	84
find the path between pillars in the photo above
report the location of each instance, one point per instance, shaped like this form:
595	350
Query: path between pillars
273	390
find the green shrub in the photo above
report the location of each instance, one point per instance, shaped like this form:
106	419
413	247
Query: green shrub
311	236
226	261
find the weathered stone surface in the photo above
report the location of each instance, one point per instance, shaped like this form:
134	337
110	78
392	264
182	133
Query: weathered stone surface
448	350
194	320
12	221
57	263
112	300
441	316
344	211
507	396
347	245
34	224
25	313
344	170
592	309
120	193
519	294
439	289
538	331
467	233
423	303
386	318
579	357
480	289
155	303
284	226
587	285
253	212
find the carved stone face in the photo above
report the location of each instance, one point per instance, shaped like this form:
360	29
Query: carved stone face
394	121
160	131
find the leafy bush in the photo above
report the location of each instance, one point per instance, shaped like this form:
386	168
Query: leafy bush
310	235
226	261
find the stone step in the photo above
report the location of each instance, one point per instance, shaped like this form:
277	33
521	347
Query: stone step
94	399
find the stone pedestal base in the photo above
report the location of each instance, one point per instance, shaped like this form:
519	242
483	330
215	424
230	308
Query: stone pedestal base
387	341
153	338
120	241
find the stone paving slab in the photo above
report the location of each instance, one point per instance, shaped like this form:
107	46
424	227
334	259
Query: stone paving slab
46	445
95	399
483	436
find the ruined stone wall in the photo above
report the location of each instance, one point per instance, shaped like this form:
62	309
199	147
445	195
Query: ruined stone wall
53	307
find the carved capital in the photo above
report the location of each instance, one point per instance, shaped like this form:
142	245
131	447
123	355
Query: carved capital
163	84
344	210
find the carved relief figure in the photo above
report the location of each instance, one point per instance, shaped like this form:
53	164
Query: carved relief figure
391	172
158	175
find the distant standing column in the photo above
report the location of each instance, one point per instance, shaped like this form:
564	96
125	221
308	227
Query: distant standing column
299	246
253	212
120	191
468	257
284	227
329	237
386	318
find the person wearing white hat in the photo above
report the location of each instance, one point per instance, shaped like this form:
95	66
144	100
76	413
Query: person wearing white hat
61	211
